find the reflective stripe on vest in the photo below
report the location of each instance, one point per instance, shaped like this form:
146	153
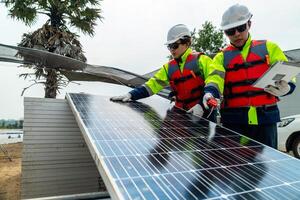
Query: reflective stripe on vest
240	75
187	85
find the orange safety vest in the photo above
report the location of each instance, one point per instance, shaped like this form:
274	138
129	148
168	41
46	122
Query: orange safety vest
241	74
187	85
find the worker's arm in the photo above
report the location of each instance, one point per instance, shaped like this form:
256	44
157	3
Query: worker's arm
275	55
214	74
153	85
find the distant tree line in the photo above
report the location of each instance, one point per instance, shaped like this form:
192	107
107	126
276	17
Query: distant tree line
11	124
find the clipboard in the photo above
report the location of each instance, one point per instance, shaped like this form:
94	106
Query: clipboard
279	71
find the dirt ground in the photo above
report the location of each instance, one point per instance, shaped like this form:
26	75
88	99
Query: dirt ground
10	172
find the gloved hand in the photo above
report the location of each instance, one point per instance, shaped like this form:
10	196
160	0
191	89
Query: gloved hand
196	110
123	98
281	88
206	98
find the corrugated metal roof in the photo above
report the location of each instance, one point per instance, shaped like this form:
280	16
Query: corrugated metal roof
73	69
293	55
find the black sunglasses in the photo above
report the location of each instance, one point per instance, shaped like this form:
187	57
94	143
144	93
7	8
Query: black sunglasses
173	46
240	29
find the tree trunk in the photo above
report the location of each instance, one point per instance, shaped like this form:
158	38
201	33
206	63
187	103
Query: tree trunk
51	86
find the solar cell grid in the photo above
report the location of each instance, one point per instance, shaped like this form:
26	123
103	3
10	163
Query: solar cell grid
144	155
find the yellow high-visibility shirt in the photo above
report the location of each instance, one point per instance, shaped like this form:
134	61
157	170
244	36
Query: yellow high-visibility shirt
213	76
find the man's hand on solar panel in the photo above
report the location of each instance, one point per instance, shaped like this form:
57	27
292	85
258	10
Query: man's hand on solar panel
123	98
281	88
197	110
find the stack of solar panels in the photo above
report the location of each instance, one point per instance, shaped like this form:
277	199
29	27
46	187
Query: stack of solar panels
143	155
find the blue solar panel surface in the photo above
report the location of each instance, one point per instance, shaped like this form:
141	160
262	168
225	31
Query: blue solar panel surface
173	155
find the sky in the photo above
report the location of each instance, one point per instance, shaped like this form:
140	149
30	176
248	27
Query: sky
132	36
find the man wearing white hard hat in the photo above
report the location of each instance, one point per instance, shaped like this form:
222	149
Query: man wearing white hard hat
188	74
245	109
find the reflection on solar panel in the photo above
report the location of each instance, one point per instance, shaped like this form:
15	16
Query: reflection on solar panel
143	155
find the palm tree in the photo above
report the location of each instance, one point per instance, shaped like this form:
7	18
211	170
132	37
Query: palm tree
54	36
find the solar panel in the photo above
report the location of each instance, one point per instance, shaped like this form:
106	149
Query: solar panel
147	153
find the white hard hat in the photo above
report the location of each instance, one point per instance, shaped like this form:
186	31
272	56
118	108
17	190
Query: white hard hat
235	16
177	32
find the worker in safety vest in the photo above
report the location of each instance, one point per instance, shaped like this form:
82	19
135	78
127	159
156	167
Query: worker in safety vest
193	82
248	110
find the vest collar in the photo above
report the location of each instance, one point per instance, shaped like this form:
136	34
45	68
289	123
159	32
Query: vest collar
184	56
246	45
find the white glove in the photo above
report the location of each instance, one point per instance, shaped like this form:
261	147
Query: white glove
281	88
197	110
206	97
123	98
